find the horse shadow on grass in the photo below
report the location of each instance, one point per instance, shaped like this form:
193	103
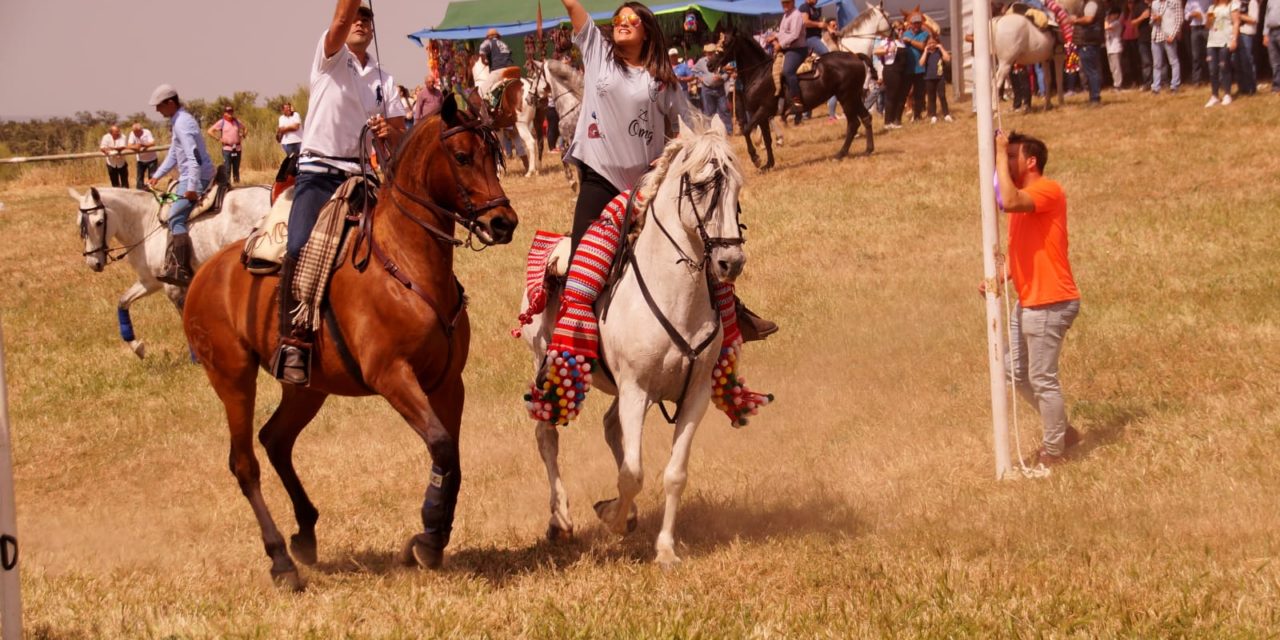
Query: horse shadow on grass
704	525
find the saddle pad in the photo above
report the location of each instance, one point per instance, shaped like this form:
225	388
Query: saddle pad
809	65
266	245
210	197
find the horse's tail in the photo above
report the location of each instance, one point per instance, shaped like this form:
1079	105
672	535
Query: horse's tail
871	67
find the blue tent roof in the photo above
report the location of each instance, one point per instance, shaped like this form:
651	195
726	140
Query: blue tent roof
741	7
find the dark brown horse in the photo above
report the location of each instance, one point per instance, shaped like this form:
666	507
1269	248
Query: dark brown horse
839	74
397	328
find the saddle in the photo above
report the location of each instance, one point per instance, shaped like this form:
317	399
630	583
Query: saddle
210	200
266	245
809	68
1041	19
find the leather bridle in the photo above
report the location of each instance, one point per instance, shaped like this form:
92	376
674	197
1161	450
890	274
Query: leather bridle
709	242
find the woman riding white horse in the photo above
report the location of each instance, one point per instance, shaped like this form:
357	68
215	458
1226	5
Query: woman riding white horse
131	220
664	336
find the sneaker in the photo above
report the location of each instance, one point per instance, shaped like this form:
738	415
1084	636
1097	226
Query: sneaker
1213	101
1226	100
1047	459
1155	92
948	118
933	120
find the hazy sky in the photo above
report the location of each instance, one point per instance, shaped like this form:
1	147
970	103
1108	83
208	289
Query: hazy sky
62	56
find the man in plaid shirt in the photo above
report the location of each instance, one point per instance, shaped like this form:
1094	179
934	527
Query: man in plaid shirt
1166	22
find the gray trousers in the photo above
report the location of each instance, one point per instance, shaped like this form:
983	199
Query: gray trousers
1038	333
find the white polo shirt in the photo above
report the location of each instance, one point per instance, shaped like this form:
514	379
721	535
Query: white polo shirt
145	138
295	136
344	95
118	144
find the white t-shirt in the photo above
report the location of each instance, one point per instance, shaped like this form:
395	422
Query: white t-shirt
344	95
295	136
145	138
1113	35
621	127
120	144
1252	11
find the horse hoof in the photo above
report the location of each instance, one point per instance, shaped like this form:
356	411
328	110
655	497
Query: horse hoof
302	549
667	560
602	509
139	348
555	533
415	553
289	580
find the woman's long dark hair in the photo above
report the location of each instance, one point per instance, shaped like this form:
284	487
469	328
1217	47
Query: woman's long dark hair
653	52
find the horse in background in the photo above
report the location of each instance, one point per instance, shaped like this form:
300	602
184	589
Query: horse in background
131	218
1015	39
565	83
859	36
689	235
395	324
840	73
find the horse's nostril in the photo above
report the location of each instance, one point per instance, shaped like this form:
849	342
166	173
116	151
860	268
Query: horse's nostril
724	266
502	226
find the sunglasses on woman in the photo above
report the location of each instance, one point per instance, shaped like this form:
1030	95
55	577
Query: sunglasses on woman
629	19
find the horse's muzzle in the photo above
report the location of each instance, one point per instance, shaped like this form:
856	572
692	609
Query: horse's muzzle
499	228
727	263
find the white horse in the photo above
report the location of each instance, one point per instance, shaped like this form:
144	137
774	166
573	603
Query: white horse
565	84
859	36
131	219
694	194
536	90
1016	40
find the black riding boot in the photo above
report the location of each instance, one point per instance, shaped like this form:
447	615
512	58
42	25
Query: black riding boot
292	362
177	269
752	326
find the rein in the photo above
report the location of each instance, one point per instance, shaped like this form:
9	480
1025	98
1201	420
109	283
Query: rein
690	352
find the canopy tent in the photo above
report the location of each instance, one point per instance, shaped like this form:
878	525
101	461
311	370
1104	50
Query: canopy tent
472	19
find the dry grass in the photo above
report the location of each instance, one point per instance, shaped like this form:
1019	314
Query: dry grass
861	504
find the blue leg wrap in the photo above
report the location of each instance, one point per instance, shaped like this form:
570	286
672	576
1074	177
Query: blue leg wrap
126	324
439	505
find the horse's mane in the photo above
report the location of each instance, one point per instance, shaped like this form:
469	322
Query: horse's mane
748	42
566	75
858	22
701	146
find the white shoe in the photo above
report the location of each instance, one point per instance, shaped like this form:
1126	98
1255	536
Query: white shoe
933	120
1213	101
1226	100
948	118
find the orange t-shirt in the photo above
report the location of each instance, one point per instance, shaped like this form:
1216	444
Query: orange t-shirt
1038	248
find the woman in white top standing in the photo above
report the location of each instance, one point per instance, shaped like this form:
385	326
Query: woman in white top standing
1219	21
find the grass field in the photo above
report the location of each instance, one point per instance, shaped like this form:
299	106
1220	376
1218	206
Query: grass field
861	504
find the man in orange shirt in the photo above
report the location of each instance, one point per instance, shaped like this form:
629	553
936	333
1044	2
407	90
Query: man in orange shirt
1048	300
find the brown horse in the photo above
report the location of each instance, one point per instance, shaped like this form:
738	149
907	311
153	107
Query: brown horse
396	326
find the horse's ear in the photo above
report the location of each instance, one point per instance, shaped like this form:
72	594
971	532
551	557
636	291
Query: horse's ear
97	199
717	125
449	109
685	131
74	194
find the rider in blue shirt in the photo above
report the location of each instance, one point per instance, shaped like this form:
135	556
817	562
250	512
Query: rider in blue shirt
195	170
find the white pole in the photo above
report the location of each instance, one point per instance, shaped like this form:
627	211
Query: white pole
990	231
10	597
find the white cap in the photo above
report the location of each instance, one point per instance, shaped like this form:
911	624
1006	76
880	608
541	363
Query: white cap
162	93
709	47
673	51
